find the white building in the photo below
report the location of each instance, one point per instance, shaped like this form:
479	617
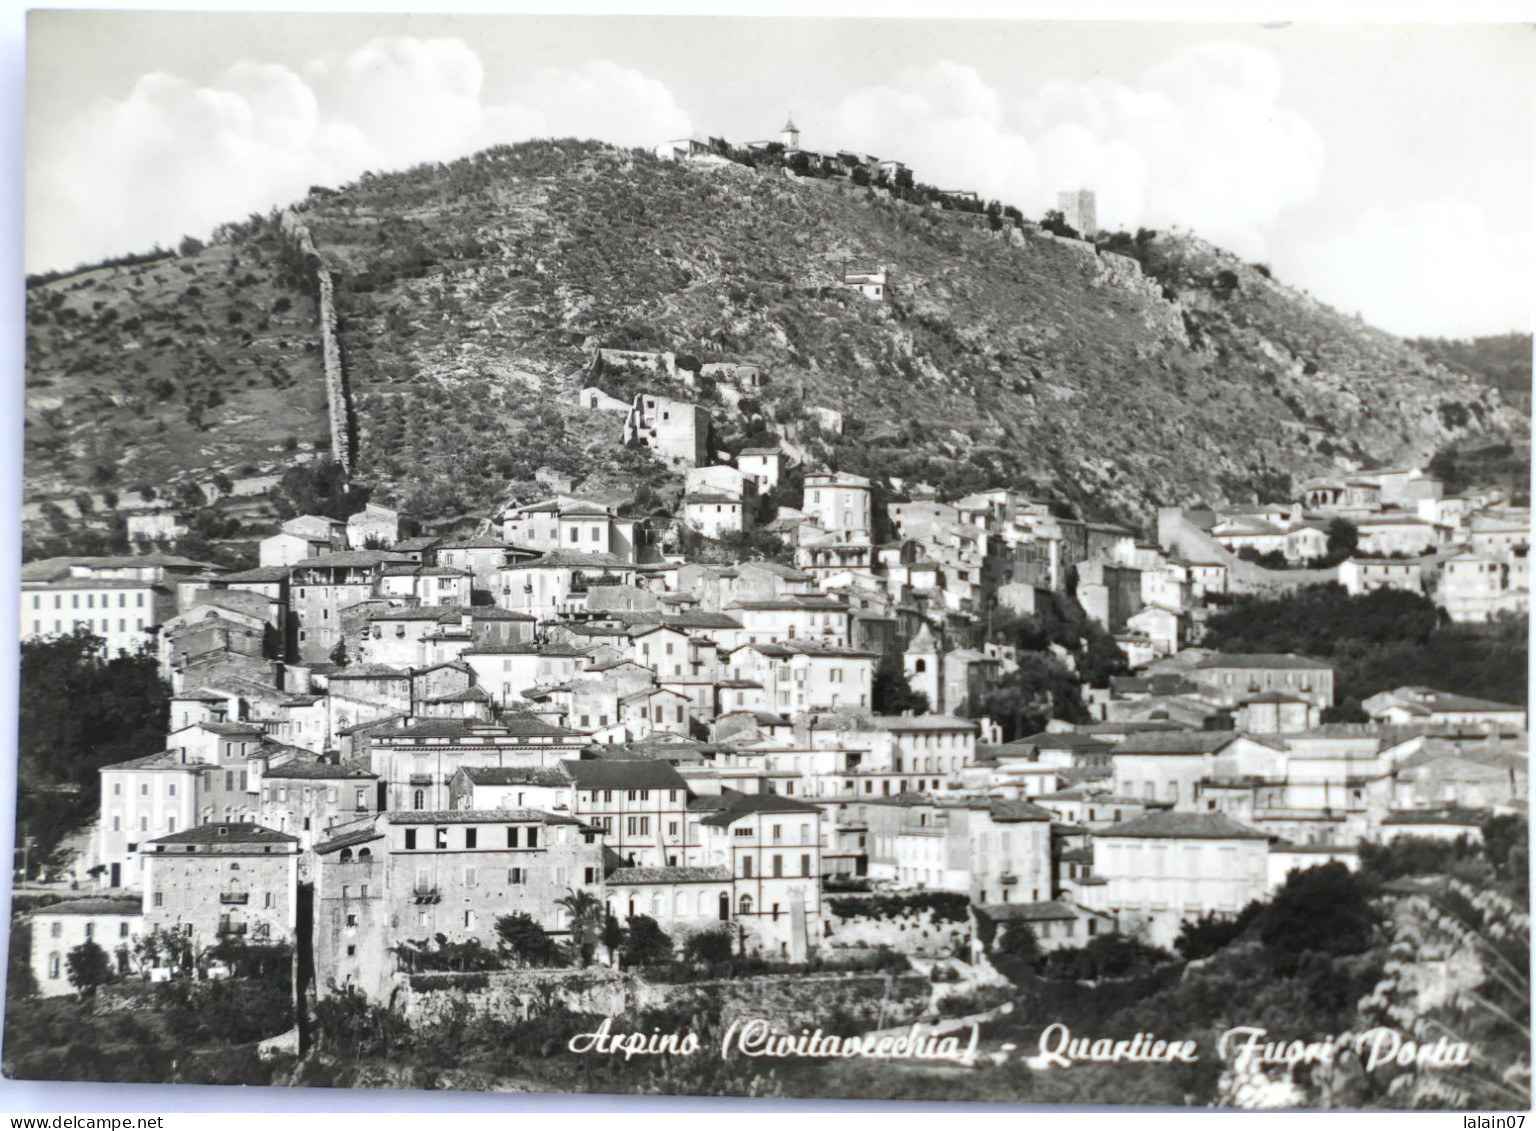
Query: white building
1165	869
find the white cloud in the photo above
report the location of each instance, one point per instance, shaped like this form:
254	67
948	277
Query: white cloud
1434	268
1198	140
172	158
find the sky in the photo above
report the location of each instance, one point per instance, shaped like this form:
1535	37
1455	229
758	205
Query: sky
1386	169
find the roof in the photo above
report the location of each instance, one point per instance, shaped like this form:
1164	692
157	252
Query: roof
713	873
264	574
1467	818
368	671
478	816
571	559
347	840
1059	740
516	775
745	805
1264	660
105	905
348	559
1008	812
226	832
601	773
922	722
314	769
1176	742
1170	825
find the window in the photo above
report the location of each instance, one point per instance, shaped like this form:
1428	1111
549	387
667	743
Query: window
442	838
471	836
53	965
516	875
159	899
410	838
778	866
122	930
533	838
746	867
469	877
805	865
56	930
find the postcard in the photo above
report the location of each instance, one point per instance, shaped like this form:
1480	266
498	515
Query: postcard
777	557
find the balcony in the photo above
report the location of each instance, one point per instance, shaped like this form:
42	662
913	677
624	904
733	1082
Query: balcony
234	897
1008	878
228	928
426	895
421	779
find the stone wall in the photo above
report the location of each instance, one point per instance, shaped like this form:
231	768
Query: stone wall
789	1000
338	405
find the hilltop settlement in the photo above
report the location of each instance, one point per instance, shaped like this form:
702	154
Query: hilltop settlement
574	722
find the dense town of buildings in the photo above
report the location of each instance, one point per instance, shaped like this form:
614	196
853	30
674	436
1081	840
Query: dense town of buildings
379	737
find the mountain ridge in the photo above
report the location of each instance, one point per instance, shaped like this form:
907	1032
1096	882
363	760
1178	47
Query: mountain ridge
1149	370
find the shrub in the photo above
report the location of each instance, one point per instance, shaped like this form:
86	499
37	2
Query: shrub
426	983
947	907
709	947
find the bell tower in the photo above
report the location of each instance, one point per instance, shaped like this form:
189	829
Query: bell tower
790	134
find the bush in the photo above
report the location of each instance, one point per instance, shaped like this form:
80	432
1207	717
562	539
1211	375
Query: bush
1203	937
645	942
426	983
522	936
947	907
1325	910
1108	956
712	946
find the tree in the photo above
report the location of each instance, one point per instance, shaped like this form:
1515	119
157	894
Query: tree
1020	944
1203	937
89	967
79	712
1325	910
585	911
339	655
521	935
1101	657
710	947
1040	690
892	692
1343	538
645	943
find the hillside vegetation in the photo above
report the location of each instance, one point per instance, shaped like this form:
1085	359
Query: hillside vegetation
471	296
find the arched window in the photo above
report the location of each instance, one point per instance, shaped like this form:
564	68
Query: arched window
364	853
419	799
703	904
346	855
921	666
655	904
745	907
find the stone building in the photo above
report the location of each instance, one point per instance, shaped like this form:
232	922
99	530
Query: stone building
454	871
676	431
112	923
1080	210
219	879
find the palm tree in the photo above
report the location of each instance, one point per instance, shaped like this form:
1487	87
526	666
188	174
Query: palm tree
586	913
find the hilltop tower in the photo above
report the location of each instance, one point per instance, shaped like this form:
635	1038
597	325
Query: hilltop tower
1080	210
790	134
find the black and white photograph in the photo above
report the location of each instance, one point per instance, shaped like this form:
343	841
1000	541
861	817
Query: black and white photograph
903	558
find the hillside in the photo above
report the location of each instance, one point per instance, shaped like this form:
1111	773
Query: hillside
471	295
1500	360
